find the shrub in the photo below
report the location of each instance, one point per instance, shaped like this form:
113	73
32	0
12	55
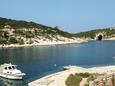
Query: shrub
84	75
73	80
20	41
3	41
92	77
12	40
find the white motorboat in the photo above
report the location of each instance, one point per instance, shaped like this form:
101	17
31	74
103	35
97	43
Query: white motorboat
10	71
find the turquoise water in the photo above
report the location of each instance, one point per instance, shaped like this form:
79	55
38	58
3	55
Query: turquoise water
41	60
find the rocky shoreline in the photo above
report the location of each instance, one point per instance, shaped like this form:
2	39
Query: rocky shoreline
58	79
43	43
79	40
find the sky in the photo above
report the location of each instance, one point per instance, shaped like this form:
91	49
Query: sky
69	15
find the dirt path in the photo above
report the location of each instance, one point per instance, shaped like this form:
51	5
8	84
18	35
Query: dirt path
83	82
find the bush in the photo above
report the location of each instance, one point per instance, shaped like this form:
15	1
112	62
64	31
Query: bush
92	77
84	75
3	41
73	80
21	41
12	40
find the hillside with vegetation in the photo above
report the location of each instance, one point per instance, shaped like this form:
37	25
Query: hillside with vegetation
107	33
23	32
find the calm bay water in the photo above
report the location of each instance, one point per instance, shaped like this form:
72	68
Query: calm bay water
40	60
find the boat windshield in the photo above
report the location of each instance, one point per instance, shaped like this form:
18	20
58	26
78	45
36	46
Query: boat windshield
13	67
9	67
5	68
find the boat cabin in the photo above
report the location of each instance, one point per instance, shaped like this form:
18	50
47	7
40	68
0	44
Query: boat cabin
9	67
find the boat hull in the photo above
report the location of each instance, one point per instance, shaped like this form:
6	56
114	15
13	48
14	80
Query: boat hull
9	76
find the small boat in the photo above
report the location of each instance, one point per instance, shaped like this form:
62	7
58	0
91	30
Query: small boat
66	67
10	71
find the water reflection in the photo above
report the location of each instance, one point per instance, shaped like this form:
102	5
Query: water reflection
8	82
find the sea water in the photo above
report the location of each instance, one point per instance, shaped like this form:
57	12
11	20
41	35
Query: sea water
41	60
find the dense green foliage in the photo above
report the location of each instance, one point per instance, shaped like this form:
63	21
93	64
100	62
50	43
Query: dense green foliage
20	24
83	75
74	80
92	33
12	40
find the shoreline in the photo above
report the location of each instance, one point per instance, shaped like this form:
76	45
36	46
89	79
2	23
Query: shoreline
59	78
43	44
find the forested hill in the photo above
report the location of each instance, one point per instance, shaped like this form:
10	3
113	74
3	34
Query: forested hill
107	32
23	32
16	24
